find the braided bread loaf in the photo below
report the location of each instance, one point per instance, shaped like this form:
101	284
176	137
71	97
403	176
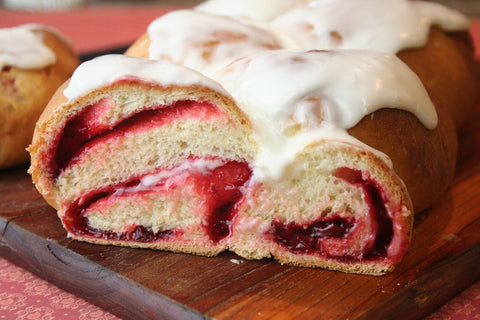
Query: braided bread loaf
231	134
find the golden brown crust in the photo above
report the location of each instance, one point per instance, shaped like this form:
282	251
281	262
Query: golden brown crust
140	47
448	70
24	95
426	159
39	142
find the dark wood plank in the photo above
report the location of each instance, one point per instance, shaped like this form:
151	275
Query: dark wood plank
145	284
95	283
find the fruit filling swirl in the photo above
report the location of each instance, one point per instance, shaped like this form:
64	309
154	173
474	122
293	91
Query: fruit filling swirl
218	183
86	128
326	235
76	221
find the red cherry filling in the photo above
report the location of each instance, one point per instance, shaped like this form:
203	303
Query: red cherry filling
221	189
137	234
76	222
78	131
86	128
310	238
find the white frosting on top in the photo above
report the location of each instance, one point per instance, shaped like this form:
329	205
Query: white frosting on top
203	41
258	10
293	98
385	25
104	70
206	41
296	98
22	48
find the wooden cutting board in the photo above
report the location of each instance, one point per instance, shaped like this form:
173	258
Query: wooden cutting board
143	284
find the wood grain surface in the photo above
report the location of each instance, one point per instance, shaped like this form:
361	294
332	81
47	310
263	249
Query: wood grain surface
144	284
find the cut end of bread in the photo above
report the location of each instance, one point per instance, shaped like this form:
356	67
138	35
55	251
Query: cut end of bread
140	164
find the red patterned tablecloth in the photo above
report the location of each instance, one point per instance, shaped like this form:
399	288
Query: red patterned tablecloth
23	295
93	28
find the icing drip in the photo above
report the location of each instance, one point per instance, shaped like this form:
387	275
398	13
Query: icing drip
218	32
201	166
108	69
205	42
348	24
21	47
264	10
328	94
292	98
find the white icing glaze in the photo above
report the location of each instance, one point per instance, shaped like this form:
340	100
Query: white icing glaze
175	174
205	42
22	48
292	98
108	69
296	98
384	25
258	10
